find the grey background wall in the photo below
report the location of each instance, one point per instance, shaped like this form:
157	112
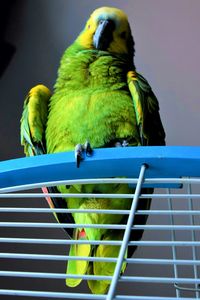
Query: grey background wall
167	54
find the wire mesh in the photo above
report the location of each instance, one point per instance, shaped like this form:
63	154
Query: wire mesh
166	265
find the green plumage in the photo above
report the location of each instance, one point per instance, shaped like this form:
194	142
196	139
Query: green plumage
99	97
97	105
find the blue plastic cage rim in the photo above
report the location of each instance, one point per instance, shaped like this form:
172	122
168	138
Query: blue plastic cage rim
168	162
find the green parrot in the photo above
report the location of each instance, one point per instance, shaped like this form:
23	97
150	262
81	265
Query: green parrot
99	100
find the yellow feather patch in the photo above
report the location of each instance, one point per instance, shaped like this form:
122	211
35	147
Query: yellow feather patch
77	267
132	79
38	89
37	110
118	44
111	11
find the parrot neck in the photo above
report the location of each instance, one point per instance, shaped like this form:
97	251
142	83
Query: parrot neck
92	69
76	49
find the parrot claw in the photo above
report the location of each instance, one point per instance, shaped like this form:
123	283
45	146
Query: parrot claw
79	149
88	148
118	144
123	144
78	154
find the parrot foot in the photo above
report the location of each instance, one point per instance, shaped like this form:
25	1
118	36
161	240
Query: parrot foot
78	154
79	151
124	143
88	148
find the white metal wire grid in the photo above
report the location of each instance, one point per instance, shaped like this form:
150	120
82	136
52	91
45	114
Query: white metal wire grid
165	266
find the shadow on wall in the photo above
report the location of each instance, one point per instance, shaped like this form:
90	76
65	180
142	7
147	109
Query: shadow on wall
30	50
7	49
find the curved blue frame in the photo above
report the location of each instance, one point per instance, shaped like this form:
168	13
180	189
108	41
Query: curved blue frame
163	162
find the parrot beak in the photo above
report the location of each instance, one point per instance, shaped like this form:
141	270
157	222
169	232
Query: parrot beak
103	35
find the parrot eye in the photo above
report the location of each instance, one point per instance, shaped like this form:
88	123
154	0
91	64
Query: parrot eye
88	26
123	34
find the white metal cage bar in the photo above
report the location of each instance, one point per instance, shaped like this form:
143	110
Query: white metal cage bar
174	224
116	275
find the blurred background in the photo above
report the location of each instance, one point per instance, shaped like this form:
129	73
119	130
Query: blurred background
33	36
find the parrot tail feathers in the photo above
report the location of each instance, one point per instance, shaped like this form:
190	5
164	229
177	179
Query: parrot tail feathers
97	286
104	268
76	266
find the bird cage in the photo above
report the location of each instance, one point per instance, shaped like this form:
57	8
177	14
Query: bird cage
34	249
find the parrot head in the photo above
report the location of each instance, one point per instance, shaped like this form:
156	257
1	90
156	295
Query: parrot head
108	29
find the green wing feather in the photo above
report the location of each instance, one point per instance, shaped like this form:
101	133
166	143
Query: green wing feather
33	128
78	267
146	109
33	121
